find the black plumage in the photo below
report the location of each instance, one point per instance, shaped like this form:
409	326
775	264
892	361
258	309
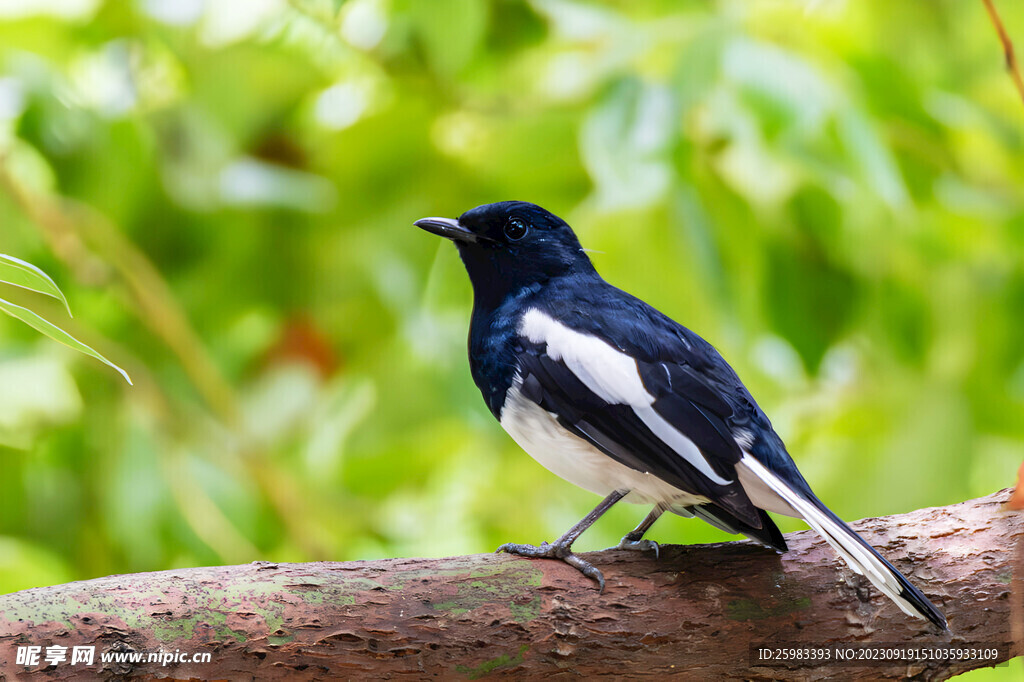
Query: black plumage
615	396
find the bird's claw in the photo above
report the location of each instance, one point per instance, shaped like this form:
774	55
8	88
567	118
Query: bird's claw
543	551
555	551
639	546
586	569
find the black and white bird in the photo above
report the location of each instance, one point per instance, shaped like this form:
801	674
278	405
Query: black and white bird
613	396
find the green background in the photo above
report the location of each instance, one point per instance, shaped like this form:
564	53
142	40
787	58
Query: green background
829	192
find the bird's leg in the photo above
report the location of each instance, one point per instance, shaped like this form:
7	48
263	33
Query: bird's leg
632	540
561	548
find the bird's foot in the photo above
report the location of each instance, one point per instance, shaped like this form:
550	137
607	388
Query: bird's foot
639	545
555	551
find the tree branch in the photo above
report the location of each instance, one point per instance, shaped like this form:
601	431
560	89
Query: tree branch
1008	55
694	611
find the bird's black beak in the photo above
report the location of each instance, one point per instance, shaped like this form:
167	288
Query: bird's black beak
447	228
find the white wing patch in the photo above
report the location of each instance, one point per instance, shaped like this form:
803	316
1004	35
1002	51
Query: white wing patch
606	371
614	377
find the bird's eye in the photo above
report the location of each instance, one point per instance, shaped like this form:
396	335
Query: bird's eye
515	229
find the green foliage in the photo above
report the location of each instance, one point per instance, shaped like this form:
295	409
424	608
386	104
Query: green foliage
830	193
21	274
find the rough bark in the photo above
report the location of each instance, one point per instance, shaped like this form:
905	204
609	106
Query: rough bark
692	613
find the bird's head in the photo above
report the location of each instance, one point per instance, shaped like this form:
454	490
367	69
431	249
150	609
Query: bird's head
511	244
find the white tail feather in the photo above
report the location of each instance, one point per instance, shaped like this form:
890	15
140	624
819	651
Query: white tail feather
843	541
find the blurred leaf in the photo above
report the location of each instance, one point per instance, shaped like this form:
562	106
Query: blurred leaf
878	169
789	90
21	274
817	214
346	405
811	301
699	68
514	25
135	499
903	311
324	11
56	333
35	391
451	31
626	144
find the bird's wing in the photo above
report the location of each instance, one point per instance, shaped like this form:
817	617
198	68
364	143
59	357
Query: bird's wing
656	416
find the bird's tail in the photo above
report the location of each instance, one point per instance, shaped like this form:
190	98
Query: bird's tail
861	557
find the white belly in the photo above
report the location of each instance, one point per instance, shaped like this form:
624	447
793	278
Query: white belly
566	455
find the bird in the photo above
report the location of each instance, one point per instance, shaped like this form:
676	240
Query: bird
614	396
